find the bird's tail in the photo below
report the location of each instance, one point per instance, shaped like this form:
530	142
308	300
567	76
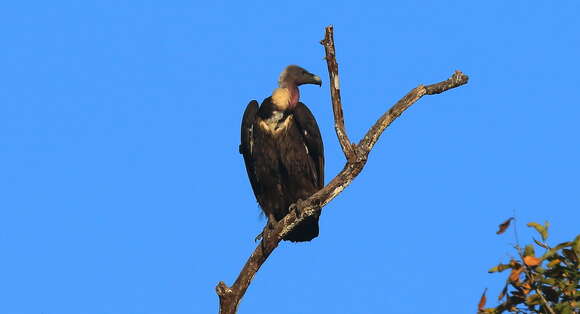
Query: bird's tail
305	231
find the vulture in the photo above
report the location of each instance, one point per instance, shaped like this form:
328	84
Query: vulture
283	151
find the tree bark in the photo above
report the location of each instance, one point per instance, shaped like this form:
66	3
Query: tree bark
356	156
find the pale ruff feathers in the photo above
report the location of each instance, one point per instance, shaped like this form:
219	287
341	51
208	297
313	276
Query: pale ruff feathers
274	124
281	98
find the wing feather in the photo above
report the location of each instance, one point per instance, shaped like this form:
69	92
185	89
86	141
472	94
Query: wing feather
247	143
311	133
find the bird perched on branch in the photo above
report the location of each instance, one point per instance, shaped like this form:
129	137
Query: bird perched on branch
283	151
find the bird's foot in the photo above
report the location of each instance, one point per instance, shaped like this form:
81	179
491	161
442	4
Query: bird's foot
269	226
297	208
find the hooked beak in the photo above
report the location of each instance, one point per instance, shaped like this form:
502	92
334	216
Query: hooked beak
312	79
316	80
299	76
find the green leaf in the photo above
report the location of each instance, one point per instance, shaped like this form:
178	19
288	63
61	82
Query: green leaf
555	249
577	245
549	281
544	245
562	245
529	251
499	268
563	308
533	299
543	231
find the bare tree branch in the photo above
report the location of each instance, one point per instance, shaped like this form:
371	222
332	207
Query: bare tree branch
328	43
356	155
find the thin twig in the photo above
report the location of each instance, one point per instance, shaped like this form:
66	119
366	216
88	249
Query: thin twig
356	159
515	224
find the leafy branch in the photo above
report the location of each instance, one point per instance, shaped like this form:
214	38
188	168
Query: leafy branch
546	283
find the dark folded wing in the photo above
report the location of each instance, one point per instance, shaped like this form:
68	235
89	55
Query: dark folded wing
247	143
313	140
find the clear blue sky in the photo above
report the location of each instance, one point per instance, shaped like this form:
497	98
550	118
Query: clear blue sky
122	190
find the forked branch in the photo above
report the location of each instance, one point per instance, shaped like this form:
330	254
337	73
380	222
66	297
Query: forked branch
356	155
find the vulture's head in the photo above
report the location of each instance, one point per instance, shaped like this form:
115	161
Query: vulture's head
294	76
287	95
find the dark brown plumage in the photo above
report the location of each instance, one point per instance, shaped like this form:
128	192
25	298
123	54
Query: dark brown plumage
283	151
